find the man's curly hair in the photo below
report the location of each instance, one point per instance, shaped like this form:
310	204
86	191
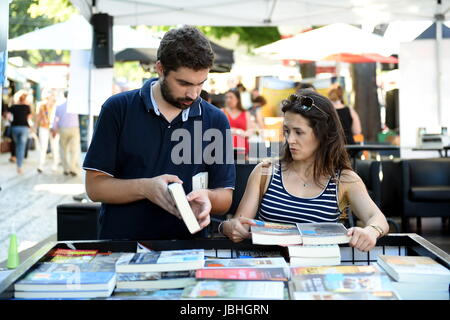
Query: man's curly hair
185	47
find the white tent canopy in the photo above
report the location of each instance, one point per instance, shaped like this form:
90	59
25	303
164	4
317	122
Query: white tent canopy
261	12
76	34
329	40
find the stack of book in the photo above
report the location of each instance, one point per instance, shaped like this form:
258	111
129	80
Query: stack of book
309	244
245	278
314	255
269	233
70	274
158	269
269	269
417	277
340	283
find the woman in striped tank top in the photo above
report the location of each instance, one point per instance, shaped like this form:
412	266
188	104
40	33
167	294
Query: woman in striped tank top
313	180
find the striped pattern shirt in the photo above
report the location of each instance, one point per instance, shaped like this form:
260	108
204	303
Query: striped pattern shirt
278	205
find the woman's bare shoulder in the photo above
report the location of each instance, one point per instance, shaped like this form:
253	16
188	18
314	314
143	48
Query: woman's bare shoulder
349	176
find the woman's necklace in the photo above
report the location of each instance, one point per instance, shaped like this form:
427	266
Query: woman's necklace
304	182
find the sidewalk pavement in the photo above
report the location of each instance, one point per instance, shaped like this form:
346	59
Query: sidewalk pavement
28	201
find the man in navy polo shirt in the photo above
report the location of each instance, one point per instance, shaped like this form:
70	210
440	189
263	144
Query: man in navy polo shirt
147	138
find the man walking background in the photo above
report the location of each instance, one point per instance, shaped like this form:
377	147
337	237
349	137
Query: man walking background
68	127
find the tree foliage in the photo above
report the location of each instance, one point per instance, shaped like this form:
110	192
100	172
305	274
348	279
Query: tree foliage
250	36
29	15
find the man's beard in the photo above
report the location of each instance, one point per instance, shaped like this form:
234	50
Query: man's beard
168	96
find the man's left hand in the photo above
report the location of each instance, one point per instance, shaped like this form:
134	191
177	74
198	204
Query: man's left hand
201	206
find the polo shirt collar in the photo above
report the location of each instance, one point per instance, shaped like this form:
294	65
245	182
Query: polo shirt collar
146	94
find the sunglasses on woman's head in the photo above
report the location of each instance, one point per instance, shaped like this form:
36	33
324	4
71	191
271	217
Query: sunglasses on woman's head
306	103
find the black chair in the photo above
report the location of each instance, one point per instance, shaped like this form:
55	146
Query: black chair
425	189
242	173
369	171
391	187
378	178
78	221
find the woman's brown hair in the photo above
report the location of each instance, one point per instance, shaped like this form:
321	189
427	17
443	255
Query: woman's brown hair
237	94
331	155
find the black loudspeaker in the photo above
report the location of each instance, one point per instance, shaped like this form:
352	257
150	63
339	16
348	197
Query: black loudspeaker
102	46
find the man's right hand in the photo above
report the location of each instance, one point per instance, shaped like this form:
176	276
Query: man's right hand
155	190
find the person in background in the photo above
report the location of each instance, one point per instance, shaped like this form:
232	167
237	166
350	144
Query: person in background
240	120
312	182
245	96
6	127
20	125
256	112
205	96
44	120
304	85
255	93
349	118
68	127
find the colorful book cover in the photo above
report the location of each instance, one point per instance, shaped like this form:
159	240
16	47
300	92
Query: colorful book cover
274	228
257	253
175	256
139	294
369	295
66	278
246	262
154	276
254	290
57	277
275	233
155	280
416	269
170	260
269	274
72	256
105	261
413	266
333	269
49	267
338	282
323	233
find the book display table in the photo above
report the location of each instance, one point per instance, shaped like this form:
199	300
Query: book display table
401	244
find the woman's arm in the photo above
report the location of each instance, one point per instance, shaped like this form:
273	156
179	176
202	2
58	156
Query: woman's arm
40	116
259	118
250	124
237	229
356	123
354	189
221	199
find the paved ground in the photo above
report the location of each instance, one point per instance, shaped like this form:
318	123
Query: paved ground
29	201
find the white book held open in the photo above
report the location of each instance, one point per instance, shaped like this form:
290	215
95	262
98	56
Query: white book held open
179	197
